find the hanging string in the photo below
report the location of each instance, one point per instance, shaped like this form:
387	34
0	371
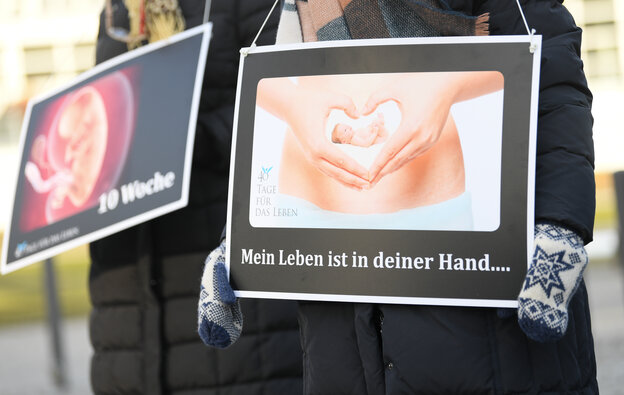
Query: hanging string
207	11
245	51
531	32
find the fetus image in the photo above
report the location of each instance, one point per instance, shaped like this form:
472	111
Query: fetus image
84	127
79	150
375	133
83	130
80	140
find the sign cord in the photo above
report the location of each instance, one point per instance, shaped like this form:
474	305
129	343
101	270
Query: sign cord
207	11
531	32
245	51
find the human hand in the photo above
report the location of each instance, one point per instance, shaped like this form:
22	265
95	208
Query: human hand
219	316
423	118
308	122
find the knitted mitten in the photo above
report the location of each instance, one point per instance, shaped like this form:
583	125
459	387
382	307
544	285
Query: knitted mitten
555	272
219	315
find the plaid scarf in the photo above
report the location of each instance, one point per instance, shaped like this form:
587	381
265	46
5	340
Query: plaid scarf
322	20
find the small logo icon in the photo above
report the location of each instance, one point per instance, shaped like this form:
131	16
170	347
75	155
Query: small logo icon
19	250
264	174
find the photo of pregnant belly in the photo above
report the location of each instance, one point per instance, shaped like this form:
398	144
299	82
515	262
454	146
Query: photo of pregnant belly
378	151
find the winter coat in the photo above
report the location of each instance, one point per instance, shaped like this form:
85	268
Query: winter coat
144	282
394	349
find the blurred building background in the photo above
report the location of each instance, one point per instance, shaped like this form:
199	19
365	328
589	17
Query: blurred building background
603	40
603	55
45	43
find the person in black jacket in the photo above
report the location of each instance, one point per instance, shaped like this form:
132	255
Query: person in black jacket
547	347
144	280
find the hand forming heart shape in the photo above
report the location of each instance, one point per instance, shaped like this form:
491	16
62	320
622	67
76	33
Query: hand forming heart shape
423	102
364	137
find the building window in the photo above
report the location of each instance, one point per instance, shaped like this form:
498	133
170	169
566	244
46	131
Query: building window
84	54
600	40
38	60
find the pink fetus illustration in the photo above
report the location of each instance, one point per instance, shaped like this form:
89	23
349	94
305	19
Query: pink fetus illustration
374	133
75	151
80	151
84	127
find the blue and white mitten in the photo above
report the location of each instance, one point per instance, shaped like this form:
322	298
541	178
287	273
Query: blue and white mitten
219	316
559	260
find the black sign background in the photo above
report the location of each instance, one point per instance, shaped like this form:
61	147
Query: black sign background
506	247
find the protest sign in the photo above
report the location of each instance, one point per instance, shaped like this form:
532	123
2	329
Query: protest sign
108	151
394	171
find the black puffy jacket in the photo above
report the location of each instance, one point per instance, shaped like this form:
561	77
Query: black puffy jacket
144	281
393	349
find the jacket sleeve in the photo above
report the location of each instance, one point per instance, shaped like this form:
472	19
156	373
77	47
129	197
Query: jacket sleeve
564	184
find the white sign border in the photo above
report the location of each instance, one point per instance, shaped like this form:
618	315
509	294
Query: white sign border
535	40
